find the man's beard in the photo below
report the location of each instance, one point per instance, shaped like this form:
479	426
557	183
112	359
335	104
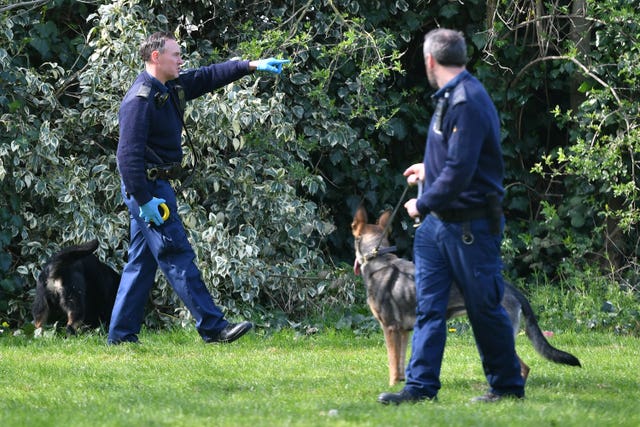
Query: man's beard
432	79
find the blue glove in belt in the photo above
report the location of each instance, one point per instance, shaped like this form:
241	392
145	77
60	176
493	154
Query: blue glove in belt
149	211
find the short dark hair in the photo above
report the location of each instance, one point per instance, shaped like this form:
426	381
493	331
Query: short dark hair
155	41
447	47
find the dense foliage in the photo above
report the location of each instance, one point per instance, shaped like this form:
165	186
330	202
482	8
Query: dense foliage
285	160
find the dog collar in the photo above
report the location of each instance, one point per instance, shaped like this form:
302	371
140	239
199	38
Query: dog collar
378	252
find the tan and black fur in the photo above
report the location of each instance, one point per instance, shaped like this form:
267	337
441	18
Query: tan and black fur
77	285
391	296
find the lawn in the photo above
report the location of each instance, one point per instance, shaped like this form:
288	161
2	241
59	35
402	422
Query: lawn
331	378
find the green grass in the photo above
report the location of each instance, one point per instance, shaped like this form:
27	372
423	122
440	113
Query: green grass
284	379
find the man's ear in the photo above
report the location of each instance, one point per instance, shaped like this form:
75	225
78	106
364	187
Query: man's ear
154	56
430	62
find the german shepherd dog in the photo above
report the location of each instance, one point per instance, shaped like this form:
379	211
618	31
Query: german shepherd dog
75	283
391	295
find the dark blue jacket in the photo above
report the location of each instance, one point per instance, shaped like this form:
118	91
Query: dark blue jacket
463	158
150	120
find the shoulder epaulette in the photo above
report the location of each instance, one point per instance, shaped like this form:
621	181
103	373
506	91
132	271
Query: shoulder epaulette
458	95
144	91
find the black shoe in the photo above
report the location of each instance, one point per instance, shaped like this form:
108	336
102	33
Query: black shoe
130	339
402	397
231	332
492	397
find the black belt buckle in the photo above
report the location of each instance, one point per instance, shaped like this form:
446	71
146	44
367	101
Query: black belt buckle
170	171
152	174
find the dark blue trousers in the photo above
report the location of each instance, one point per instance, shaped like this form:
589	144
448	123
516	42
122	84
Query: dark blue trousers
165	246
441	257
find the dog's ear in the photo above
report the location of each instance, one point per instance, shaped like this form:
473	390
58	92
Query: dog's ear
359	220
384	219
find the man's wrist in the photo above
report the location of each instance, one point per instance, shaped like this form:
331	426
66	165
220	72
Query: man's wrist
422	208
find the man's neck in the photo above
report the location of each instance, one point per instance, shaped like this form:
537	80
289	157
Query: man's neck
153	72
447	74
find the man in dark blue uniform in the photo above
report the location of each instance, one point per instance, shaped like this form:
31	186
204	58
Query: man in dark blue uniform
459	239
149	155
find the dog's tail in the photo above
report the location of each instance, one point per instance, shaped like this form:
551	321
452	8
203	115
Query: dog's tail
70	255
540	343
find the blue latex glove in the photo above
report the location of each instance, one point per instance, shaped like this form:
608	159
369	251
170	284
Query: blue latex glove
149	211
271	65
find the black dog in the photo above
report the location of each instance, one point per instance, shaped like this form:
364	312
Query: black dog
77	284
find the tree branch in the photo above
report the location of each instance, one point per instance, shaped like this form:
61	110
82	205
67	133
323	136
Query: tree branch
33	3
575	61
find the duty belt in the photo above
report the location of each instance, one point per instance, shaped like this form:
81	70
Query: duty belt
166	171
462	215
491	211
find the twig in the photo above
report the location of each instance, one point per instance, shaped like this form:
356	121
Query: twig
23	4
